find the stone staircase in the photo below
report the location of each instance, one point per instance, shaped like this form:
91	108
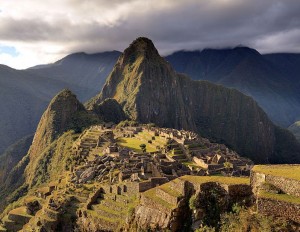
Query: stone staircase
178	153
89	143
111	209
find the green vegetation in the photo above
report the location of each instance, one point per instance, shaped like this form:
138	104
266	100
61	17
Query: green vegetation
53	161
152	195
126	123
192	202
143	147
191	163
220	179
244	220
288	171
143	137
280	197
166	188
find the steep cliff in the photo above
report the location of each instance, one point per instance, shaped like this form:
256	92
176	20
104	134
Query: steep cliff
149	90
272	80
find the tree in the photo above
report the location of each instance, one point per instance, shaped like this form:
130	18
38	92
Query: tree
227	166
143	147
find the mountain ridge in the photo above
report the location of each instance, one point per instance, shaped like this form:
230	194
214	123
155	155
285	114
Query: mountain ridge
259	76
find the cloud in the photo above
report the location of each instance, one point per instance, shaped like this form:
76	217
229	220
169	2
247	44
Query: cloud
43	31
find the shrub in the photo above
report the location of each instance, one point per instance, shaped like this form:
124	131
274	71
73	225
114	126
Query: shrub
192	202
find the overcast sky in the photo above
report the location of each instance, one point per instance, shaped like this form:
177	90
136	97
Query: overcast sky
43	31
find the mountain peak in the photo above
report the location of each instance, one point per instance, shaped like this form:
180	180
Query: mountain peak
142	46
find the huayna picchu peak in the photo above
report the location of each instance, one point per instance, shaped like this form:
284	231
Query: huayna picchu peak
154	151
149	90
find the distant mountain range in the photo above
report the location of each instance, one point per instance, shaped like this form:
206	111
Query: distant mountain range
272	80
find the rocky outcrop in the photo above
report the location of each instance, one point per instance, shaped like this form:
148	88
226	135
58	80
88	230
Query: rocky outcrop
110	111
149	90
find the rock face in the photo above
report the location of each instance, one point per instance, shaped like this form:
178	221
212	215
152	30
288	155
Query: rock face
149	90
110	111
272	80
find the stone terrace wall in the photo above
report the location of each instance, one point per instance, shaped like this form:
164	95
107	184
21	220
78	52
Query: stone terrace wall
167	197
289	186
279	208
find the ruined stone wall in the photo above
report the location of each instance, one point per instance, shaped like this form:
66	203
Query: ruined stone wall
256	180
149	202
93	198
132	188
144	186
155	181
289	186
167	197
200	162
279	208
179	186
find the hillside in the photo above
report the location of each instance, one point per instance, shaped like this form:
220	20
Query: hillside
269	79
151	91
12	155
102	180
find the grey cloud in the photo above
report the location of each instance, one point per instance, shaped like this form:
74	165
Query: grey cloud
268	25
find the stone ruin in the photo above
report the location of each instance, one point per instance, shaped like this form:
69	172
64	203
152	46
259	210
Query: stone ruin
119	164
210	157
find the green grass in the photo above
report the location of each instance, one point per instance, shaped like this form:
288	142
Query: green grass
20	211
108	210
192	164
134	144
219	179
142	137
96	215
288	171
152	195
280	197
166	188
